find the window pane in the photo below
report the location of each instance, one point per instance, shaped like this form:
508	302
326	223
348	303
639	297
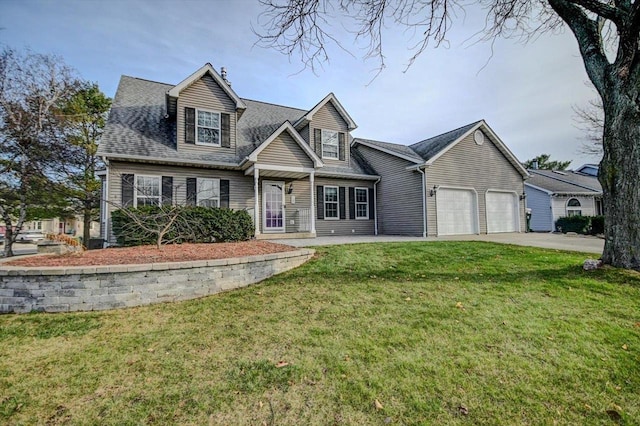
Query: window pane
149	186
331	210
330	194
361	210
361	195
574	203
208	119
206	135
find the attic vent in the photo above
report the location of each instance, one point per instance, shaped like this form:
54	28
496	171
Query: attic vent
559	172
478	137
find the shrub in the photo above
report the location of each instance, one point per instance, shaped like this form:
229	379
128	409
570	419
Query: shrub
579	224
190	225
597	225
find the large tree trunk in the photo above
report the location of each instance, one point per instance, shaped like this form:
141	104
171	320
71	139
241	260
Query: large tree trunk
86	229
7	251
620	174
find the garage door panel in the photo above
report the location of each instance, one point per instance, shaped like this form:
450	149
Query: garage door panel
502	212
456	211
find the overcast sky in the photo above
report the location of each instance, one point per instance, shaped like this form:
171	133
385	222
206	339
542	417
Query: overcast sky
525	92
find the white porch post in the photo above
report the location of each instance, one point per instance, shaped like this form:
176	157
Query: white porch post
312	212
256	207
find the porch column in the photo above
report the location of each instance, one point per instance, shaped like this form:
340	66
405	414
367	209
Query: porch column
256	206
312	212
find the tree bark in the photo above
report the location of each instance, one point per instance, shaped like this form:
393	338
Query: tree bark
86	219
620	173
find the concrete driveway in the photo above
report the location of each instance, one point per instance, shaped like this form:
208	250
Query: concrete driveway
579	243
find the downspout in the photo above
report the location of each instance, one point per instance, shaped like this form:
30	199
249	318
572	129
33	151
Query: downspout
105	241
424	201
375	206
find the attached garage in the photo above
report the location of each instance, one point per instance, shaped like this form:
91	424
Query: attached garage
502	212
457	211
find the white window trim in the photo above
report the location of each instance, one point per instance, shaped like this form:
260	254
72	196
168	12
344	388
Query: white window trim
205	127
337	202
356	202
198	191
337	145
136	187
569	208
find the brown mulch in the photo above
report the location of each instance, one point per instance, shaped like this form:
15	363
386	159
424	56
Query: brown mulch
151	254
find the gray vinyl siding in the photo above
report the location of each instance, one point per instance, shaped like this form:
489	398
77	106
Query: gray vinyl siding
240	186
540	204
329	118
336	227
284	151
482	167
305	134
205	94
399	194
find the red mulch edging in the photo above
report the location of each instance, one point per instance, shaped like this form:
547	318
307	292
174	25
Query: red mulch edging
150	254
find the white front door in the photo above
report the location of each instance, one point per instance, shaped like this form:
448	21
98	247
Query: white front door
273	206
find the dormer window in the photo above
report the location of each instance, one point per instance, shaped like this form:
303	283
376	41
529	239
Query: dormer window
330	144
208	128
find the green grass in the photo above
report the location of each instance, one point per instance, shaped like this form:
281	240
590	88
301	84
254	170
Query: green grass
514	335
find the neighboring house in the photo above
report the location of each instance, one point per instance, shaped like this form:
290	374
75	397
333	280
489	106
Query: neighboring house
69	226
299	172
588	169
552	194
465	181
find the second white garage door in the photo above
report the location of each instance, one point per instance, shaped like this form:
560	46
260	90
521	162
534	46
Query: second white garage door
457	211
502	212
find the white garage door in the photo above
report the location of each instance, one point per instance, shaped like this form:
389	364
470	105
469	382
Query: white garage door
502	212
456	211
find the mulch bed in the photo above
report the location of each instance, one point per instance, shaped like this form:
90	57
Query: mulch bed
151	254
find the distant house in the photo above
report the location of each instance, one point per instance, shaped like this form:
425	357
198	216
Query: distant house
299	172
552	194
70	226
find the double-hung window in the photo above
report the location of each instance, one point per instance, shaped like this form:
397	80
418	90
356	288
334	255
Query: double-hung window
208	192
362	203
207	127
147	190
331	202
329	144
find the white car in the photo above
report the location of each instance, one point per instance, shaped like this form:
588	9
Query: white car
29	236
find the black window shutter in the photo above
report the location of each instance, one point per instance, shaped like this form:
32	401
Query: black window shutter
371	205
317	138
343	213
352	203
224	193
189	125
320	207
225	125
167	190
191	191
341	146
127	190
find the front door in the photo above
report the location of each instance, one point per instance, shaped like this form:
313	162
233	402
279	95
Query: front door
273	206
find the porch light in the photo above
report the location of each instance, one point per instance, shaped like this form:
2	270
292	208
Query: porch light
523	196
433	190
290	190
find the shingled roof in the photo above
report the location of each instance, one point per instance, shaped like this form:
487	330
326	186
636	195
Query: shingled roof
138	129
428	148
564	182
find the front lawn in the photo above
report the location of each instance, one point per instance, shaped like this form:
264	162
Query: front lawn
403	333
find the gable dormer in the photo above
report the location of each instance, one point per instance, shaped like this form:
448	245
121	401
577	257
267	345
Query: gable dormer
326	127
206	111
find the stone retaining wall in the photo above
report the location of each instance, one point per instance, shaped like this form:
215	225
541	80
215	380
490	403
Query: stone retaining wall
88	288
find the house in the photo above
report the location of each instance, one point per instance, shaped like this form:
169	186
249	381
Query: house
70	226
465	181
298	172
552	194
